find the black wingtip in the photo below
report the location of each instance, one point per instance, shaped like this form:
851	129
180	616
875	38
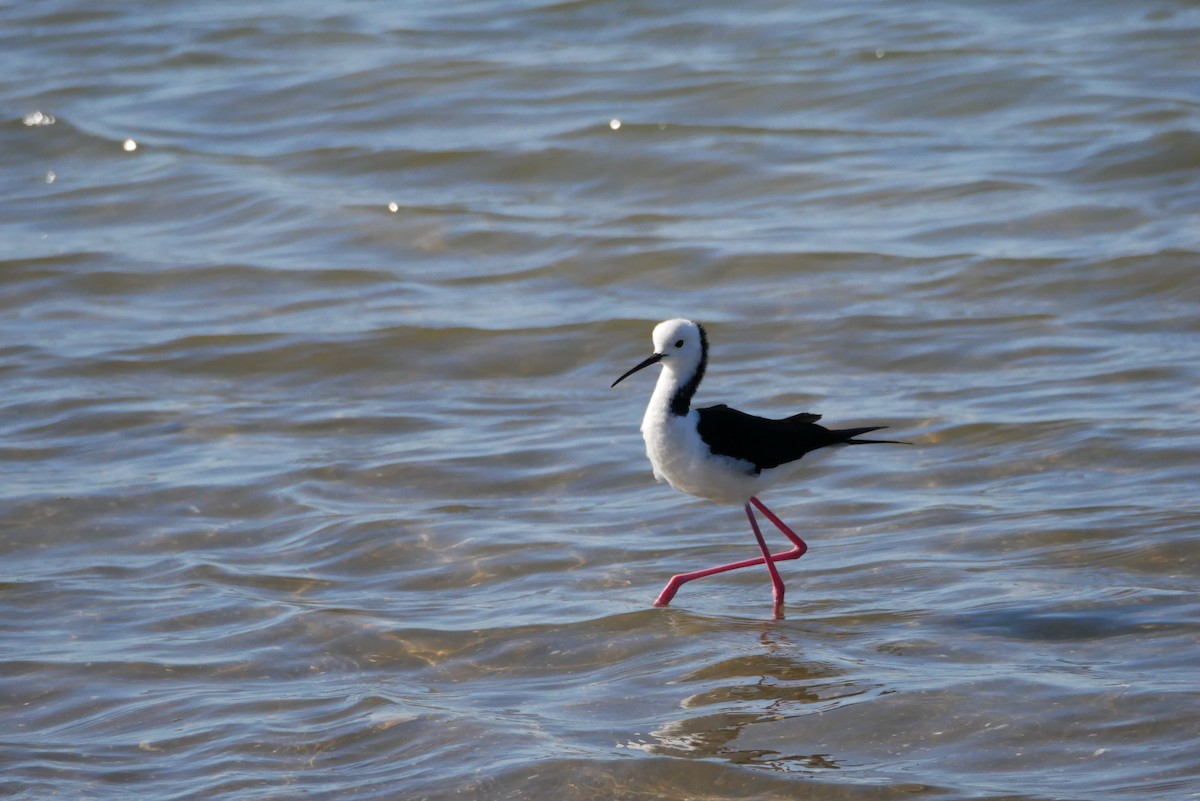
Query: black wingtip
851	433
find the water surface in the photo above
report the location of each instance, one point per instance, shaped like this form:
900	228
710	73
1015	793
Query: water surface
312	482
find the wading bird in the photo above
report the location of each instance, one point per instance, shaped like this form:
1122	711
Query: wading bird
720	453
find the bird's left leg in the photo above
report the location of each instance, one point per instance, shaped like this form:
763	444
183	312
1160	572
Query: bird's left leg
677	581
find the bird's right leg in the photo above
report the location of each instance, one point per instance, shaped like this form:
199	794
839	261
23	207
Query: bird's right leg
799	546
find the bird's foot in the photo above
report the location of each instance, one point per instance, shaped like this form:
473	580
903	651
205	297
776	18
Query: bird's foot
664	597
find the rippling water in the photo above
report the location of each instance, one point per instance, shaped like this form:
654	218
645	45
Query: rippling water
313	484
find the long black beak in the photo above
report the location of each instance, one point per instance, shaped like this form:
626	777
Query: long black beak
652	360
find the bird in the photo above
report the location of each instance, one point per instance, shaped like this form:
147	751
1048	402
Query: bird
722	454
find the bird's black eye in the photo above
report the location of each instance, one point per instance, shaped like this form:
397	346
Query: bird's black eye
679	343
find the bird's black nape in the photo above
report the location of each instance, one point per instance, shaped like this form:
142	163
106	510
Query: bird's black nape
681	401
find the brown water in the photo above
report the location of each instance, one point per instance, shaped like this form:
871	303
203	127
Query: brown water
306	495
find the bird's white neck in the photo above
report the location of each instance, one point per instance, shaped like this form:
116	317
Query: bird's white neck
672	395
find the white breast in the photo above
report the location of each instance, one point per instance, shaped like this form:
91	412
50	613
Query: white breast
681	458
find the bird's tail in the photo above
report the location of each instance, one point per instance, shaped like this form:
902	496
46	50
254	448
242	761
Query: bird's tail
846	436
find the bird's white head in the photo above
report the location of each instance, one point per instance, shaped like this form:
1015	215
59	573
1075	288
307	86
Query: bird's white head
682	348
682	345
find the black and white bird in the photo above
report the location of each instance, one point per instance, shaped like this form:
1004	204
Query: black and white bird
720	453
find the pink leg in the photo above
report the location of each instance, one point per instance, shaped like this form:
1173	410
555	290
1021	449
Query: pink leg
795	552
776	581
801	547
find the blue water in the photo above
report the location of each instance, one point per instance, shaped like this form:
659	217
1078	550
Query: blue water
312	483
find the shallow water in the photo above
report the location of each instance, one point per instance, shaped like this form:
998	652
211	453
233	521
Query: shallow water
313	483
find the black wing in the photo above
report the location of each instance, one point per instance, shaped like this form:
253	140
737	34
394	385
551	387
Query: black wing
769	443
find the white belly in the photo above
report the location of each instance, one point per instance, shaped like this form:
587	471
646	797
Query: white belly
682	459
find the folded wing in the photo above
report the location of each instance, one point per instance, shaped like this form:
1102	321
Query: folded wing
767	443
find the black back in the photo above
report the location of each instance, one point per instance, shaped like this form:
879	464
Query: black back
769	443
